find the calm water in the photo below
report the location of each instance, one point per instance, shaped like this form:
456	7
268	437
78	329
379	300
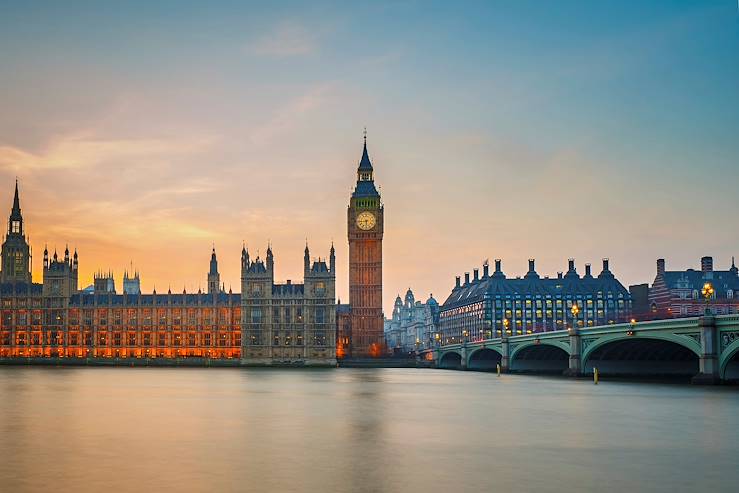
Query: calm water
389	430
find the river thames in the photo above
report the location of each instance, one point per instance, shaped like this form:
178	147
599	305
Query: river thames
375	430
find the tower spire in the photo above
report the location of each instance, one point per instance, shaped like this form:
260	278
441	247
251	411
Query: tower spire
365	164
16	200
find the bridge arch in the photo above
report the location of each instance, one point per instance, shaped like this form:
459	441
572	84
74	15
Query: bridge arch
451	360
729	362
541	357
643	355
484	359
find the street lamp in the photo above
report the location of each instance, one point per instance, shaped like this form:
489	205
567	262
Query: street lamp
575	311
632	325
464	334
707	293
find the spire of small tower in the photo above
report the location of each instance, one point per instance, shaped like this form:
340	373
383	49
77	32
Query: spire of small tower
306	257
270	257
213	262
332	259
16	200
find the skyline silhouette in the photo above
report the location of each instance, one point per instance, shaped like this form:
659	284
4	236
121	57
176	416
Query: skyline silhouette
520	131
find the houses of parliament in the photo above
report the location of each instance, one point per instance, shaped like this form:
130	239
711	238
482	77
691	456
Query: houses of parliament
267	323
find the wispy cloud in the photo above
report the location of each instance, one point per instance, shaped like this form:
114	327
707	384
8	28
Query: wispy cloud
288	38
76	152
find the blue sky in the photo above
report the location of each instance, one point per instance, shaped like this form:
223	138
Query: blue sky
497	129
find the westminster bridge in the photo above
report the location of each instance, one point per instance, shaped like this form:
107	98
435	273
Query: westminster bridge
705	348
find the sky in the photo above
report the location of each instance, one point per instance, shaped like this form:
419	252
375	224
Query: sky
143	133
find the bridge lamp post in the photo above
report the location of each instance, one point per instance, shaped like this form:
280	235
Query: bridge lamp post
575	310
506	323
632	325
707	293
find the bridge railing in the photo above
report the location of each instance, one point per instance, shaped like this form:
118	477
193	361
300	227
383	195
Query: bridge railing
668	323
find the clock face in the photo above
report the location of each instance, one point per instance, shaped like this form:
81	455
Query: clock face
366	221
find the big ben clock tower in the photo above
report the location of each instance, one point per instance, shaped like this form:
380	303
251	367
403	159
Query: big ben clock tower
365	227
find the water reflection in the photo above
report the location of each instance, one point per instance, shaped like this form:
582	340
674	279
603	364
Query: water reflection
357	431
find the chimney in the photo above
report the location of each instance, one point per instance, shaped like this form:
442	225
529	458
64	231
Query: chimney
497	265
531	265
571	264
605	265
559	275
587	271
466	278
456	282
289	282
476	274
485	269
706	264
660	266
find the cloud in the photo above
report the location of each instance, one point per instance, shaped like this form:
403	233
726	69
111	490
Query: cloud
285	40
77	152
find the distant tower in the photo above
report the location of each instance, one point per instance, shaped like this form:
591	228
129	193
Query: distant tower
214	278
131	283
16	253
365	230
60	276
104	283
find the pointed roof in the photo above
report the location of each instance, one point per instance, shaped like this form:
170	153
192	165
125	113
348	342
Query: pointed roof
16	211
213	262
365	188
364	163
16	201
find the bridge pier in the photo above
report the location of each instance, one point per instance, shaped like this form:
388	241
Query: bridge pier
575	364
505	352
464	356
708	364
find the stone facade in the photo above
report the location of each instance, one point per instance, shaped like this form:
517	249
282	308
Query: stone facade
675	294
413	326
288	323
492	304
283	323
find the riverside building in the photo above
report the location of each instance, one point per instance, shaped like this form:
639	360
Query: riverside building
268	323
487	306
678	293
414	324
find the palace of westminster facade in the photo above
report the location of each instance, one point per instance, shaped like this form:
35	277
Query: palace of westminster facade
265	324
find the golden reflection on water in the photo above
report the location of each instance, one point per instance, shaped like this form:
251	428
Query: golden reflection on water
124	429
